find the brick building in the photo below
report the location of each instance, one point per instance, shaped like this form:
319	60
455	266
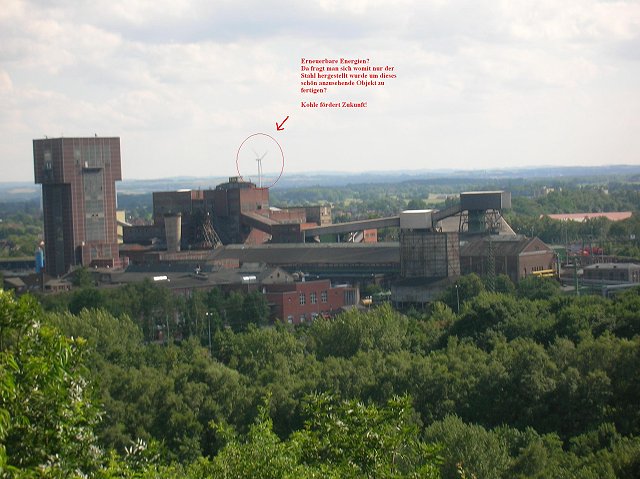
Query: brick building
235	212
78	178
305	301
515	256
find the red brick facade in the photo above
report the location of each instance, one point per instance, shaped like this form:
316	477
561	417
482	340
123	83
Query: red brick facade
304	301
78	178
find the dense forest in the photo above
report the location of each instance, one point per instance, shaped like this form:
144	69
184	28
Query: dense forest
21	228
525	382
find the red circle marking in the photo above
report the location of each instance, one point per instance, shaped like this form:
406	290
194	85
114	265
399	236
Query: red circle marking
281	155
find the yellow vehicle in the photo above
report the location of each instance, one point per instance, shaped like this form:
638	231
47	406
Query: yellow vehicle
545	273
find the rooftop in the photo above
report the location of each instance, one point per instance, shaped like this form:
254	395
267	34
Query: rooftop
608	266
580	217
502	245
313	253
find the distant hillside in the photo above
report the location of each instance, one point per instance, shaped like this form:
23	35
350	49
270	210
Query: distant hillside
22	191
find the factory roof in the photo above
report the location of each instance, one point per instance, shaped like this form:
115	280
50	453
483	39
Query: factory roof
313	253
609	266
503	246
179	278
580	217
451	224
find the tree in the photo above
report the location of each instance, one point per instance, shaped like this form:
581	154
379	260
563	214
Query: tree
503	284
340	439
47	409
86	298
490	313
465	288
366	441
477	450
379	328
255	309
533	287
82	278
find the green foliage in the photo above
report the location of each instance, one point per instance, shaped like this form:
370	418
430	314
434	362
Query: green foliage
503	284
370	289
533	287
20	229
340	440
478	451
380	328
47	410
162	314
82	278
491	313
511	387
509	453
582	314
86	298
465	288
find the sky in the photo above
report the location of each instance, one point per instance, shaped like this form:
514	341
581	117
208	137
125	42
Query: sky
480	84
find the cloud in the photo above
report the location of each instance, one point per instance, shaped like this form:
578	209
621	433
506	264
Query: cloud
186	81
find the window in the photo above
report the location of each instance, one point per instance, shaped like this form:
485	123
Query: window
314	316
302	318
324	296
302	298
290	319
48	164
314	298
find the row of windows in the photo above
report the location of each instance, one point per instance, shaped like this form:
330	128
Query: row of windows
313	297
538	268
612	276
303	317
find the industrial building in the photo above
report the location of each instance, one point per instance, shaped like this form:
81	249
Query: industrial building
612	273
291	298
235	212
427	259
78	178
342	261
230	237
515	256
306	300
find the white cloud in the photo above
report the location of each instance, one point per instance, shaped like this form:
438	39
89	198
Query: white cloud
183	82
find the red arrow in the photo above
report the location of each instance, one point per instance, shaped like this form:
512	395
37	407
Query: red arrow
280	127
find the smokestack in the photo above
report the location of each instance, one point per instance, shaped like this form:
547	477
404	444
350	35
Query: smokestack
173	232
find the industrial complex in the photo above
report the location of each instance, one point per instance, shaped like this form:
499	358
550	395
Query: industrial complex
231	237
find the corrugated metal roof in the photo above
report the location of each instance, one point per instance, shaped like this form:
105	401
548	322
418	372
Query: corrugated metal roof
310	253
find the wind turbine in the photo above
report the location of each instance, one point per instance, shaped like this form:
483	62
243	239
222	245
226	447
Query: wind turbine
259	161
